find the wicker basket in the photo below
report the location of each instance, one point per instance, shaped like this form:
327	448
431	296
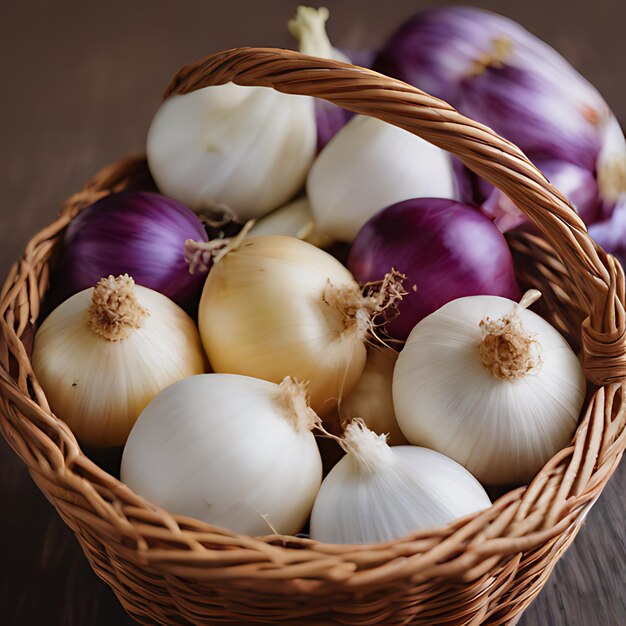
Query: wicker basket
483	569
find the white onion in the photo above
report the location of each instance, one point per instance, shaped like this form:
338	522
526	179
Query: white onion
490	384
293	219
247	149
229	450
377	493
368	166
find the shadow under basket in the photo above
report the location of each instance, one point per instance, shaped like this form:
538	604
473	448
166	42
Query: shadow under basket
486	568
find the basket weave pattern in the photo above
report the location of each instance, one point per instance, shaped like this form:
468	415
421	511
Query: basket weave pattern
485	568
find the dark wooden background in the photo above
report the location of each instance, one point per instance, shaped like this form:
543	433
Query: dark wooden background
81	81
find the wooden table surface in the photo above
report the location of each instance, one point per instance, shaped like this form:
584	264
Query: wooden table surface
81	82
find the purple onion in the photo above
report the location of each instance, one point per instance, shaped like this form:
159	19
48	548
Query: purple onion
330	119
446	249
494	71
611	233
577	184
363	57
465	181
141	234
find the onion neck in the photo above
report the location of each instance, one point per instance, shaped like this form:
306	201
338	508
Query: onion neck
362	308
201	255
309	30
501	48
293	395
368	450
507	350
115	312
351	304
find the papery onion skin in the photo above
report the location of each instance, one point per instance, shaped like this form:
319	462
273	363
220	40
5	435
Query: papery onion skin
446	249
136	233
494	71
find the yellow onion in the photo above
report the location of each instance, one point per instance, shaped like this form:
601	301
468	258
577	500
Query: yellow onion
105	353
372	398
277	306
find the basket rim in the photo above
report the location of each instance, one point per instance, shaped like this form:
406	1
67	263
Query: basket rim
468	549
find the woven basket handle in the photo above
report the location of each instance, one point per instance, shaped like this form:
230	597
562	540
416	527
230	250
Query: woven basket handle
598	280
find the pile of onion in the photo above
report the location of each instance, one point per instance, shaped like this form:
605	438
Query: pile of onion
418	358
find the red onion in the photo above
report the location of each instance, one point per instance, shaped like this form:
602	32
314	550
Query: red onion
446	249
141	234
611	233
466	182
494	71
329	117
577	184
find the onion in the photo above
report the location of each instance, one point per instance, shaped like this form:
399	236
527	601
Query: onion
371	399
377	493
490	384
369	165
217	147
308	27
611	233
294	219
277	306
229	450
330	119
466	182
135	233
494	71
445	248
577	184
102	355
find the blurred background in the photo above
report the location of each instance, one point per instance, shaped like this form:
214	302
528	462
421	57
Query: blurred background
81	83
